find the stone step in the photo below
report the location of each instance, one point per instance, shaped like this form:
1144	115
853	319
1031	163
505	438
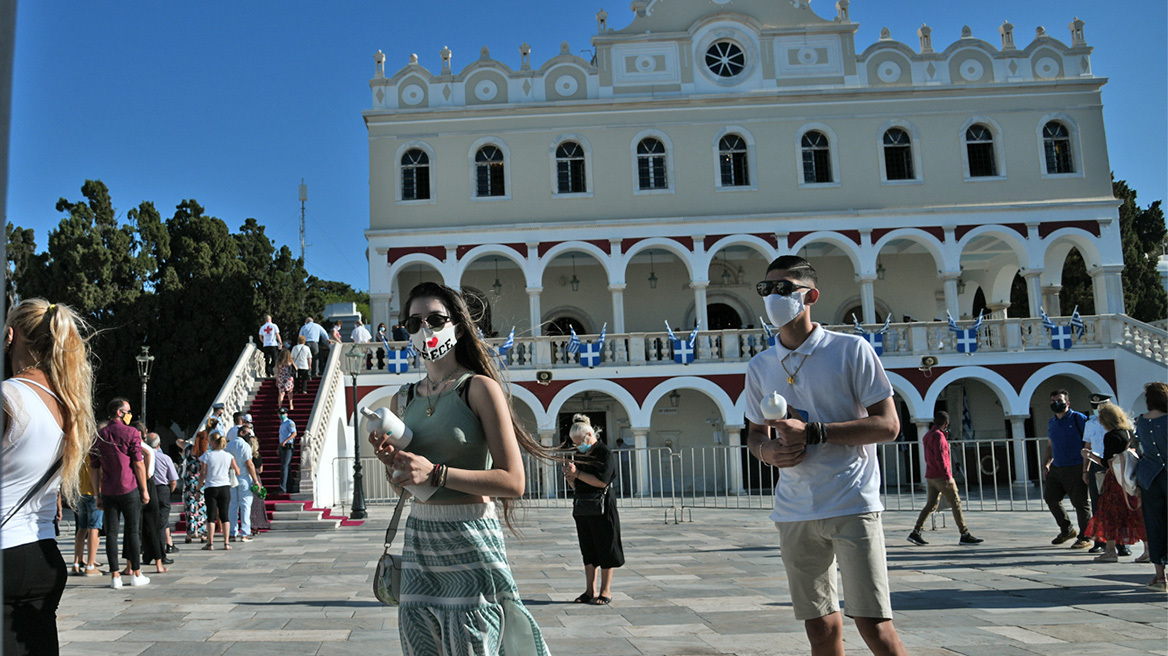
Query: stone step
285	515
306	525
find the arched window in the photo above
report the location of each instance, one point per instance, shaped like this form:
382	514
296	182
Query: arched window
415	175
651	172
1056	142
898	158
816	158
732	157
570	169
489	178
979	146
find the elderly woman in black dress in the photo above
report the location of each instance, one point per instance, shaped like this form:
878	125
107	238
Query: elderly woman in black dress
597	522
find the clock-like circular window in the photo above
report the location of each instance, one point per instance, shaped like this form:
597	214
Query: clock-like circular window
725	59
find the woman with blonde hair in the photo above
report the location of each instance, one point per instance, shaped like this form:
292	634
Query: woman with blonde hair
1118	519
193	503
48	408
285	378
215	479
594	509
467	444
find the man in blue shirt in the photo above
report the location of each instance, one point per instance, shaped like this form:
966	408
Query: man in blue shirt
1063	463
312	333
287	444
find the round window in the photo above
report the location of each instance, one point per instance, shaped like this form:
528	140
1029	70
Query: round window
725	58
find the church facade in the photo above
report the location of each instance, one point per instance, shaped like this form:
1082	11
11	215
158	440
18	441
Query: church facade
655	180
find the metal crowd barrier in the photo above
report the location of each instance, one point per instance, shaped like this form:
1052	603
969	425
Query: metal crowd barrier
991	475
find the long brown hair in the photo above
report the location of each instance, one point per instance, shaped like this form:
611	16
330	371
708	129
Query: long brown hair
476	355
200	446
54	333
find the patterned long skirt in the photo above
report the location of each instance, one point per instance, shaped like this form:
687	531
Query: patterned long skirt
1117	519
193	505
458	594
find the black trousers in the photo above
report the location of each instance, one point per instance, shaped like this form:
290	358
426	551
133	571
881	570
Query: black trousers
302	379
1093	490
319	360
34	579
151	530
163	494
1155	500
130	505
314	349
1063	482
270	360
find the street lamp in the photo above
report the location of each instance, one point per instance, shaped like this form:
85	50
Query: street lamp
145	361
356	358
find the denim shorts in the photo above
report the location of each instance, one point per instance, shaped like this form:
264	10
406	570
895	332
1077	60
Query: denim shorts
88	516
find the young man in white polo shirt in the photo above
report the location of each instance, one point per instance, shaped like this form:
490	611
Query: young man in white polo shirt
827	503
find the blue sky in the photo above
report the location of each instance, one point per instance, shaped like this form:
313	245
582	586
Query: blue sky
232	103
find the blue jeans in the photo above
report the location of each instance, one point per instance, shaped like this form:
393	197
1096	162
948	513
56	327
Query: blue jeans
88	516
285	467
239	512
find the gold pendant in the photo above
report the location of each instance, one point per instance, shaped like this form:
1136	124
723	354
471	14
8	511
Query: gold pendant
790	380
429	412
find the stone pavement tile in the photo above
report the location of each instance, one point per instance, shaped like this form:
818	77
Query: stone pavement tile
1155	646
104	648
989	650
755	644
1023	635
337	623
949	637
282	635
274	649
658	615
1080	633
90	635
729	603
161	632
388	647
233	622
673	646
668	630
1094	649
567	646
187	649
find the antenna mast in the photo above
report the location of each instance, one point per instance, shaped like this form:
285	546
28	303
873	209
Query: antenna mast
303	199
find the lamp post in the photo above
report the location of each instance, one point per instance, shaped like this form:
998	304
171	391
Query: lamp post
145	361
356	359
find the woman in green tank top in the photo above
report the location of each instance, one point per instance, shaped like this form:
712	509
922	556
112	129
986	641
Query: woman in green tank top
457	593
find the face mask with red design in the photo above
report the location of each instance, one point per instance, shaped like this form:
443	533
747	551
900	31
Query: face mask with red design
434	345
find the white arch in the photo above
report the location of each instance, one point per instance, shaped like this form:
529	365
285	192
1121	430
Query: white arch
529	399
992	379
430	171
1057	246
714	392
833	152
420	258
498	250
998	144
1011	238
757	244
663	243
849	247
1089	377
618	393
586	146
907	393
1076	145
603	258
670	172
473	166
751	165
915	148
919	237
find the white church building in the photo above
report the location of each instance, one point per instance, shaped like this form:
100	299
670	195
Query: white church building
656	180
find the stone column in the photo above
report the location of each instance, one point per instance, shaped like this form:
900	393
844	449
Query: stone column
1107	283
618	308
951	297
699	290
1018	444
1034	292
641	451
998	310
379	309
922	428
536	315
548	472
734	464
867	299
1050	300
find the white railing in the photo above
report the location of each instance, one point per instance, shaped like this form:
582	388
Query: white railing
237	387
330	391
904	339
992	475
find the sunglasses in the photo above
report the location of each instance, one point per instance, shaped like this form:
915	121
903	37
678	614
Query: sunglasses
435	320
780	287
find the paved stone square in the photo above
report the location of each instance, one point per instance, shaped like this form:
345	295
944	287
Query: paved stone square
713	586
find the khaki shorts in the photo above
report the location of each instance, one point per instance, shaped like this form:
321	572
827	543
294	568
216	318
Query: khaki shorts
810	550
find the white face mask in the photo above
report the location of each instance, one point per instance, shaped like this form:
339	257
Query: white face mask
782	310
433	345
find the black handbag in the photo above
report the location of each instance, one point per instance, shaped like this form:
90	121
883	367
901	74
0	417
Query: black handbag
592	505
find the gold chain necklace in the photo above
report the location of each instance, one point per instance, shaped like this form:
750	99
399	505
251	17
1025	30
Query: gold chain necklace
28	368
431	397
434	386
790	374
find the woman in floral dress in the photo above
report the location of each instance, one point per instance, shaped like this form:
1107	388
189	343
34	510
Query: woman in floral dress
193	504
285	378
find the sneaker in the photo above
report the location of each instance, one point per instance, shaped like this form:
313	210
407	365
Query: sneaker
967	538
915	538
245	539
115	582
1081	544
76	570
1098	548
170	548
92	571
1123	550
1064	536
140	580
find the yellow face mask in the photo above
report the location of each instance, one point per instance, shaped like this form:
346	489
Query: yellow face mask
126	418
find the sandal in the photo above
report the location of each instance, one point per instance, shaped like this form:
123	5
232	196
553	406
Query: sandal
1106	558
209	547
583	599
227	547
602	601
1142	559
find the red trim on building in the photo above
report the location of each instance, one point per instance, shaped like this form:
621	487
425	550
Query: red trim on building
602	244
688	242
394	254
1015	374
794	237
639	388
935	231
521	249
1045	229
1019	228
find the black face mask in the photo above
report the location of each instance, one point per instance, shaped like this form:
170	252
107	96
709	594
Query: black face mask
1058	407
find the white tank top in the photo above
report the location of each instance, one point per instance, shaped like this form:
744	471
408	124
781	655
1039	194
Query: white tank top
31	444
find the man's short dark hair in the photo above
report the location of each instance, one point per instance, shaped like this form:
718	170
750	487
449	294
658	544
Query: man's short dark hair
1062	392
236	416
940	418
799	268
114	405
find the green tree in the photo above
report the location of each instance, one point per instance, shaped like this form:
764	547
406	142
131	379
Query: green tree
1142	231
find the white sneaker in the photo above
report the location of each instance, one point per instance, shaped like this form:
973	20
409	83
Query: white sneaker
140	580
115	582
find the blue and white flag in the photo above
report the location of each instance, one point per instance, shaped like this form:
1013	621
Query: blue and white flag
397	361
876	339
590	352
966	339
1060	336
573	342
506	346
683	350
770	334
1077	323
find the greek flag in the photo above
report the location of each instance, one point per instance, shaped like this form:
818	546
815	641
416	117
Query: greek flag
397	361
574	342
1060	336
876	339
770	334
506	346
683	350
590	352
1077	323
966	339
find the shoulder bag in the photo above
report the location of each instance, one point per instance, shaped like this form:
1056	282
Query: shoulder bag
592	505
387	579
1123	466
